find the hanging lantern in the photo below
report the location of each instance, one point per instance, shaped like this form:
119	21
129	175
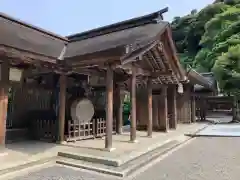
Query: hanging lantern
180	88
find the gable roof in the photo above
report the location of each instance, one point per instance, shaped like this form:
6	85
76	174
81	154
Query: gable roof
137	30
20	35
209	77
132	36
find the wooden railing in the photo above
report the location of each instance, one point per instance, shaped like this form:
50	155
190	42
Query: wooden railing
79	131
93	129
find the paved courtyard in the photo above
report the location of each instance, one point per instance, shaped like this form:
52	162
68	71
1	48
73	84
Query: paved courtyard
205	158
221	130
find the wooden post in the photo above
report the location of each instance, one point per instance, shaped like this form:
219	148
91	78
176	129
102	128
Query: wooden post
133	106
163	110
4	84
155	112
109	109
193	108
3	113
150	108
62	106
173	107
120	111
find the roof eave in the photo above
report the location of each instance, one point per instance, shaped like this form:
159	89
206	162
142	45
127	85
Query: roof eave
9	18
197	78
153	16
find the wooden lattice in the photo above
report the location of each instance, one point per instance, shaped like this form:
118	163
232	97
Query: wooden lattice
94	129
101	127
80	131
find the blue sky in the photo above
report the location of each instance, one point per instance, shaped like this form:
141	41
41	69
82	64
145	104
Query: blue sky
68	17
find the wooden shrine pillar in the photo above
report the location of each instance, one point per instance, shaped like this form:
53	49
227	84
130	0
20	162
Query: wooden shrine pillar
172	107
62	106
109	109
133	125
193	108
163	111
150	108
119	110
4	84
155	112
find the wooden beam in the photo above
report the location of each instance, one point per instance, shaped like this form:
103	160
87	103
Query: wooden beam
174	52
133	107
90	72
25	56
62	106
150	108
109	109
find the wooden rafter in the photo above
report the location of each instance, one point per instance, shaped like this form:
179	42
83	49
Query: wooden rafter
132	56
174	51
158	59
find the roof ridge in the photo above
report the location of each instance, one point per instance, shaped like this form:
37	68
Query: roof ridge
5	16
130	23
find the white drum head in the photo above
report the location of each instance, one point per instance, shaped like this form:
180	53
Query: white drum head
82	110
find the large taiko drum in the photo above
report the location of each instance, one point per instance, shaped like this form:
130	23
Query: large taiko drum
82	110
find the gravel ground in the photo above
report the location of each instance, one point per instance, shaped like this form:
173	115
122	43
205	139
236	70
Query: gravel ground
59	172
202	159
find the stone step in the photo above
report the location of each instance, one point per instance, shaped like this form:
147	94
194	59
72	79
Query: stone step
90	158
124	169
25	165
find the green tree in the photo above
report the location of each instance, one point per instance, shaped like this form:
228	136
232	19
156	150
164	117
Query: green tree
227	70
205	38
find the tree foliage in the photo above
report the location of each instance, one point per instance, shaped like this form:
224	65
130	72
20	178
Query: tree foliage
227	68
210	38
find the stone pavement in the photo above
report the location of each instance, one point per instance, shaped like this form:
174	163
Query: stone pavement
58	172
125	150
226	130
17	154
20	153
201	159
220	118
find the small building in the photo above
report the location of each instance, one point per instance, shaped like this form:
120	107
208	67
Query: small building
57	75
